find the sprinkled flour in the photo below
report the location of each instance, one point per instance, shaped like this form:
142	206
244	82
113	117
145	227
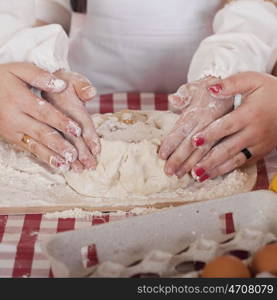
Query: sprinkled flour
26	185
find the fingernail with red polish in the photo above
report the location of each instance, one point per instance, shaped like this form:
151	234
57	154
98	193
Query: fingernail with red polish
199	172
198	141
204	177
215	89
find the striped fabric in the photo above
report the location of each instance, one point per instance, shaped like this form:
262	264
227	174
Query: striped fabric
20	255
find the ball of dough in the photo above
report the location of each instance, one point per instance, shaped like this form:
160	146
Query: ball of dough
128	163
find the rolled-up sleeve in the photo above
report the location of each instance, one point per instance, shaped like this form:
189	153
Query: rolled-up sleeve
45	46
245	39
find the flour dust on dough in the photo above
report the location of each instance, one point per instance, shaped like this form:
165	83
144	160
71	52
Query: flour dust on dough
129	163
122	180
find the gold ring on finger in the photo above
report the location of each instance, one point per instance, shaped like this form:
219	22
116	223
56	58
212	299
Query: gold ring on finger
26	139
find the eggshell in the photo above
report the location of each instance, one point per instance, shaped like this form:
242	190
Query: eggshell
226	266
265	259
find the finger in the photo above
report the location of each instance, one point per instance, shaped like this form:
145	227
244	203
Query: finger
178	157
228	166
182	98
182	129
37	77
89	133
225	126
194	158
84	88
69	103
45	112
77	166
50	138
45	154
84	155
241	83
224	151
91	139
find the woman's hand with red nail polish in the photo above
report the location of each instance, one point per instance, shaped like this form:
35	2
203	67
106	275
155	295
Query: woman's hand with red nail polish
199	108
72	102
253	125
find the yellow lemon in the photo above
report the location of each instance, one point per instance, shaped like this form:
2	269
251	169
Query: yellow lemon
273	184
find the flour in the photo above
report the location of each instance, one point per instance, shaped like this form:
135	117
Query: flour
80	213
128	164
26	184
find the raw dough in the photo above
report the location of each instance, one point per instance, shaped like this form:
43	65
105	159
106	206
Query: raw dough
27	186
128	163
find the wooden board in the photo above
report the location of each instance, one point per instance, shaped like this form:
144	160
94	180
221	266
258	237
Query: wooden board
70	200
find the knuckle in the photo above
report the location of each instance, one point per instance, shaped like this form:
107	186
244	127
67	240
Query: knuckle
229	151
228	127
33	146
39	134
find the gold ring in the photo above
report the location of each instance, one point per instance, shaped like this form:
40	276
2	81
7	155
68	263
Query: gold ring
26	139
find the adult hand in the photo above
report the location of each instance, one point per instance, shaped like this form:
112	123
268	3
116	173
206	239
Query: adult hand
31	122
71	102
199	109
252	126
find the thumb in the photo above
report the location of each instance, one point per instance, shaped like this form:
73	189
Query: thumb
37	77
241	83
83	88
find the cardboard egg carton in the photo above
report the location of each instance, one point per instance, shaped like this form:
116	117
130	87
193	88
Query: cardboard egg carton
190	261
175	242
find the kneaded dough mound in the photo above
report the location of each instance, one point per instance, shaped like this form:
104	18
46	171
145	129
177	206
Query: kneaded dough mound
128	164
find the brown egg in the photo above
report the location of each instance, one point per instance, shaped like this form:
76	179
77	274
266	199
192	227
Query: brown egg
265	260
226	266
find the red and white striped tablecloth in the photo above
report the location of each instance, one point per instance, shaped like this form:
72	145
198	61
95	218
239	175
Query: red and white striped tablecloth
20	254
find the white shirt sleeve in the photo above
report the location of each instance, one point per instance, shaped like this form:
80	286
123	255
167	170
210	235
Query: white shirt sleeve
46	46
245	39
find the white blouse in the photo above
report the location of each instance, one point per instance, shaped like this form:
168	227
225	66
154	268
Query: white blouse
150	45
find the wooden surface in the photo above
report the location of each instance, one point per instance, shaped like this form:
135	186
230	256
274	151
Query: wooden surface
74	200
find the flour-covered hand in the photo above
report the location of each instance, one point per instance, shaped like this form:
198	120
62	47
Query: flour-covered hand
72	102
252	126
32	123
199	109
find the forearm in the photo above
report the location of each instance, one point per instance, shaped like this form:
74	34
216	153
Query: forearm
244	40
